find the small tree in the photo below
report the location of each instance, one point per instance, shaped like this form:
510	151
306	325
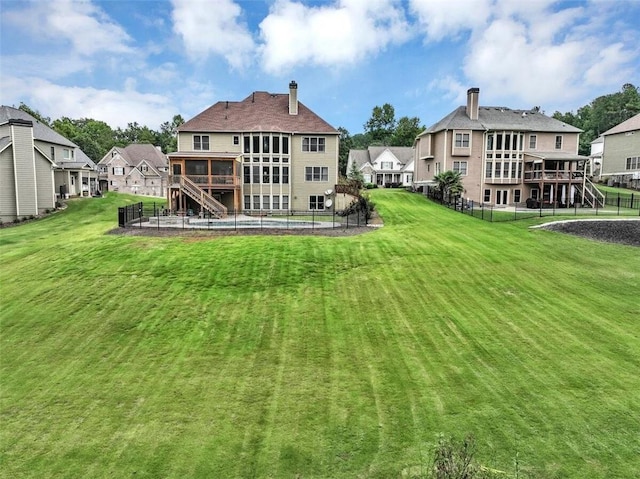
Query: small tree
355	176
449	184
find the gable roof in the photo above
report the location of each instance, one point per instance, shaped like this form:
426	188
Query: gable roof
631	124
260	111
501	118
40	131
136	153
404	154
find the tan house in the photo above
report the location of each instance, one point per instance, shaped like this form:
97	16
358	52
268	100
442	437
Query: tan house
268	152
384	165
38	166
137	169
621	154
505	156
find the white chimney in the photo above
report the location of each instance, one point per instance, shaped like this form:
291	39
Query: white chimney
473	96
293	98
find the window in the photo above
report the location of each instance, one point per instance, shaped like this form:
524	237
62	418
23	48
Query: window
490	142
285	176
256	202
265	202
285	202
488	173
313	144
67	154
367	178
247	202
201	142
265	144
633	163
487	196
498	169
316	202
316	173
516	196
558	142
236	140
437	172
276	202
460	167
247	144
118	170
285	145
53	153
386	165
256	174
265	174
462	140
247	174
256	144
276	144
275	174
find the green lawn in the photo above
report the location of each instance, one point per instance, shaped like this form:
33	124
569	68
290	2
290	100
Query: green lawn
315	357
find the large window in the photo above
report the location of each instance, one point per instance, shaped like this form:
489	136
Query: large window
316	202
460	167
285	175
633	163
516	196
247	174
316	173
558	142
247	202
265	174
462	140
285	145
487	196
533	142
118	170
386	165
67	154
256	174
488	173
313	144
201	142
275	174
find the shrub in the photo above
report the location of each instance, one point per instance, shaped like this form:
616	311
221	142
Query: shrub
362	205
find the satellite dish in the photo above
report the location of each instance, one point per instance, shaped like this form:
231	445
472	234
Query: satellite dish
328	203
329	192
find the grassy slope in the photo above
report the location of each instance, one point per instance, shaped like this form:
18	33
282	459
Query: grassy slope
322	357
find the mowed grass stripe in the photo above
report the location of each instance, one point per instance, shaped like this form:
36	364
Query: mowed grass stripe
318	357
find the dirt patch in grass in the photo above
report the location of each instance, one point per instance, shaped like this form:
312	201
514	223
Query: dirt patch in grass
626	231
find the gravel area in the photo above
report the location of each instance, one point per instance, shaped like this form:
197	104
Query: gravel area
623	231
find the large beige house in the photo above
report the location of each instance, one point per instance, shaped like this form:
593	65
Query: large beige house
38	166
505	156
137	169
621	154
268	152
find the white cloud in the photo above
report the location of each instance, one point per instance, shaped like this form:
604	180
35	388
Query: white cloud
116	108
610	61
215	28
295	34
448	18
79	22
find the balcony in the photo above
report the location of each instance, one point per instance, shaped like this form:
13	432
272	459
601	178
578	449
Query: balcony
222	182
537	176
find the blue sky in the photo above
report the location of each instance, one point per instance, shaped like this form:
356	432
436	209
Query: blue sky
145	61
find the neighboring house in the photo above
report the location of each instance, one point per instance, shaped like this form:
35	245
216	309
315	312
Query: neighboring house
138	169
75	175
36	165
505	156
268	152
621	154
384	165
595	157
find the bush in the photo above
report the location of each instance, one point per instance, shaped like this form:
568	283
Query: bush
361	205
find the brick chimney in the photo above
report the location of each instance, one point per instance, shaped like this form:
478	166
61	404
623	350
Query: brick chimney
293	98
473	96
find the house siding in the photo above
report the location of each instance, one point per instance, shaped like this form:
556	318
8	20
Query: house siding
24	164
44	182
7	186
617	148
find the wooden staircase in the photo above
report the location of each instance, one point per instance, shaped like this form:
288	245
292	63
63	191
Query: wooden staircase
204	199
591	196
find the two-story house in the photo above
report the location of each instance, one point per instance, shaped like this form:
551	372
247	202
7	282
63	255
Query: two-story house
38	166
137	169
384	165
506	156
621	154
268	152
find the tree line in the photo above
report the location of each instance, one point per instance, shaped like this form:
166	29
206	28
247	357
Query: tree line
95	138
602	114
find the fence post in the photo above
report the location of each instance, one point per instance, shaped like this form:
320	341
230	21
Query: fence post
618	204
313	220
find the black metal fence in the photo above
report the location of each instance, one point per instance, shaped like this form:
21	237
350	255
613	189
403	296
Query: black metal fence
154	215
615	205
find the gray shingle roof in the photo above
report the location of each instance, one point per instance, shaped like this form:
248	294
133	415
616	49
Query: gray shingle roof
135	153
40	130
404	154
632	124
501	118
260	111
